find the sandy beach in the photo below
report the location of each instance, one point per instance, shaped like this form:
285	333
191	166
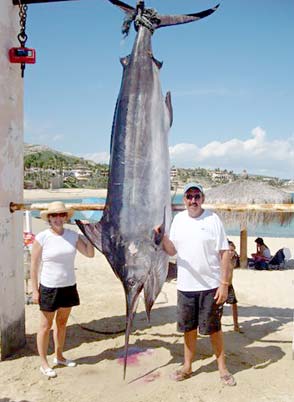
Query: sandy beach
62	193
260	358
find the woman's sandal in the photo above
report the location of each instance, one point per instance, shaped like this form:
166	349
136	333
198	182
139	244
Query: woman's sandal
180	375
228	379
48	372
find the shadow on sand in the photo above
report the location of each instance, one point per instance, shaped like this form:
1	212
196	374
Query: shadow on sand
241	354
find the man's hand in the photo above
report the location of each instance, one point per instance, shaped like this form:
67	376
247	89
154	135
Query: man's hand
221	294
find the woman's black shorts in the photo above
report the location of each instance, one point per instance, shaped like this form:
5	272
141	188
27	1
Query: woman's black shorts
231	296
199	310
51	299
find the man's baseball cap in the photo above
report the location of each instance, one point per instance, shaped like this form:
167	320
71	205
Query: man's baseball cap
188	186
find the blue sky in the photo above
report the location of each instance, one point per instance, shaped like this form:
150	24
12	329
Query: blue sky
230	75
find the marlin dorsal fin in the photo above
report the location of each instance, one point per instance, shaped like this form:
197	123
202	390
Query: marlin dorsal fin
167	20
125	7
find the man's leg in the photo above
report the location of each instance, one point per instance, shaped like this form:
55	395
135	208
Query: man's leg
218	348
190	338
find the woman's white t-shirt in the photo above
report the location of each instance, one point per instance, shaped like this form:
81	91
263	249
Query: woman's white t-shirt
198	242
58	255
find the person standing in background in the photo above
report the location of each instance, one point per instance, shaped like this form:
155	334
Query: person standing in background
232	300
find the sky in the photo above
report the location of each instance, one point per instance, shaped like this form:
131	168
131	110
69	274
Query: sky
230	77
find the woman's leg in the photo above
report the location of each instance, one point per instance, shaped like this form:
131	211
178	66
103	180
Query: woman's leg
60	330
43	336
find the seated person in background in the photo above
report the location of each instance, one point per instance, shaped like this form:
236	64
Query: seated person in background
234	262
262	251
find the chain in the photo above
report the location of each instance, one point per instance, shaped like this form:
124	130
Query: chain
22	36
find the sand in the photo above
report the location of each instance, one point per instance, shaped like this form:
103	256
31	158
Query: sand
62	193
260	358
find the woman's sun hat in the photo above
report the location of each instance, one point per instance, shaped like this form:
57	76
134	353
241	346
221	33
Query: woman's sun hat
56	207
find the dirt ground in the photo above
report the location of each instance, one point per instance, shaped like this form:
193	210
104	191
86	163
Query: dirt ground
260	358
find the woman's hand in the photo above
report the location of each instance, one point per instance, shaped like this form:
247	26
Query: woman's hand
85	247
35	297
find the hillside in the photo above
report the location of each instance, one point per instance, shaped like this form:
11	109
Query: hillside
45	167
42	164
43	156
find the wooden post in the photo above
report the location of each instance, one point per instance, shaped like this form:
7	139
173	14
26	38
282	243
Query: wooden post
12	311
243	248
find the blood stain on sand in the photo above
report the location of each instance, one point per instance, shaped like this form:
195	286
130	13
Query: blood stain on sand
134	355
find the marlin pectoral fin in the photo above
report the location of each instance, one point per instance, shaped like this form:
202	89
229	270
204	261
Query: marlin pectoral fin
157	62
167	20
125	7
168	103
93	232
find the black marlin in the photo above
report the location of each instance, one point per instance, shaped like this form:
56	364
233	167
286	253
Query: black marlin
138	197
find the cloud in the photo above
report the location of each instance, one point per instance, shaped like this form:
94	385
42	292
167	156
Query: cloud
41	133
98	157
256	154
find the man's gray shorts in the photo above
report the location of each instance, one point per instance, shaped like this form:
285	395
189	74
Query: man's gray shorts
199	310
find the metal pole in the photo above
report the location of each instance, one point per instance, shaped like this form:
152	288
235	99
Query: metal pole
271	208
16	2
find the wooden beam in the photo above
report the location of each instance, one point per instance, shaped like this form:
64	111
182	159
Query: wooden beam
243	249
16	2
270	208
42	206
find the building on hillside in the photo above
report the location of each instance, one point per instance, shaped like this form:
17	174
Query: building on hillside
221	176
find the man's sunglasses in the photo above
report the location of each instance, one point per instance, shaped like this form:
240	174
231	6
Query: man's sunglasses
191	196
60	214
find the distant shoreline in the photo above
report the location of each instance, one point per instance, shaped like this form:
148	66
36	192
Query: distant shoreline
63	193
68	193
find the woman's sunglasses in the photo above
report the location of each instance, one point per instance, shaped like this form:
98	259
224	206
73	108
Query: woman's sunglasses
60	214
191	196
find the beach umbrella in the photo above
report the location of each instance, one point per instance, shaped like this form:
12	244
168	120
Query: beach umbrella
246	191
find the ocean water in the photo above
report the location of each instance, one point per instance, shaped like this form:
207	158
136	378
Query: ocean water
272	230
91	216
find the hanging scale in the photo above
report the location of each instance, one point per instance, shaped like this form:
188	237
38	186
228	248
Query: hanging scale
22	54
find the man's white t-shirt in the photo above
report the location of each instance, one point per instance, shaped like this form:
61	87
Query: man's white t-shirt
198	242
58	255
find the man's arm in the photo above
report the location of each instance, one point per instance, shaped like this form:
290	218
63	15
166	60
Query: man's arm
168	246
226	268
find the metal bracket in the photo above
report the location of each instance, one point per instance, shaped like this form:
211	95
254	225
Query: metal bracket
16	2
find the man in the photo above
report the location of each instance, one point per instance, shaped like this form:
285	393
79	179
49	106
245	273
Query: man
198	238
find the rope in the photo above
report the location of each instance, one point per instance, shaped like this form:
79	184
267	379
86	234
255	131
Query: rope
146	18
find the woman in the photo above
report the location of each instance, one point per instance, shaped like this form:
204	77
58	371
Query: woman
56	293
262	251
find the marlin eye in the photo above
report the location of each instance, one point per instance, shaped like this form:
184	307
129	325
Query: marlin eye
131	282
